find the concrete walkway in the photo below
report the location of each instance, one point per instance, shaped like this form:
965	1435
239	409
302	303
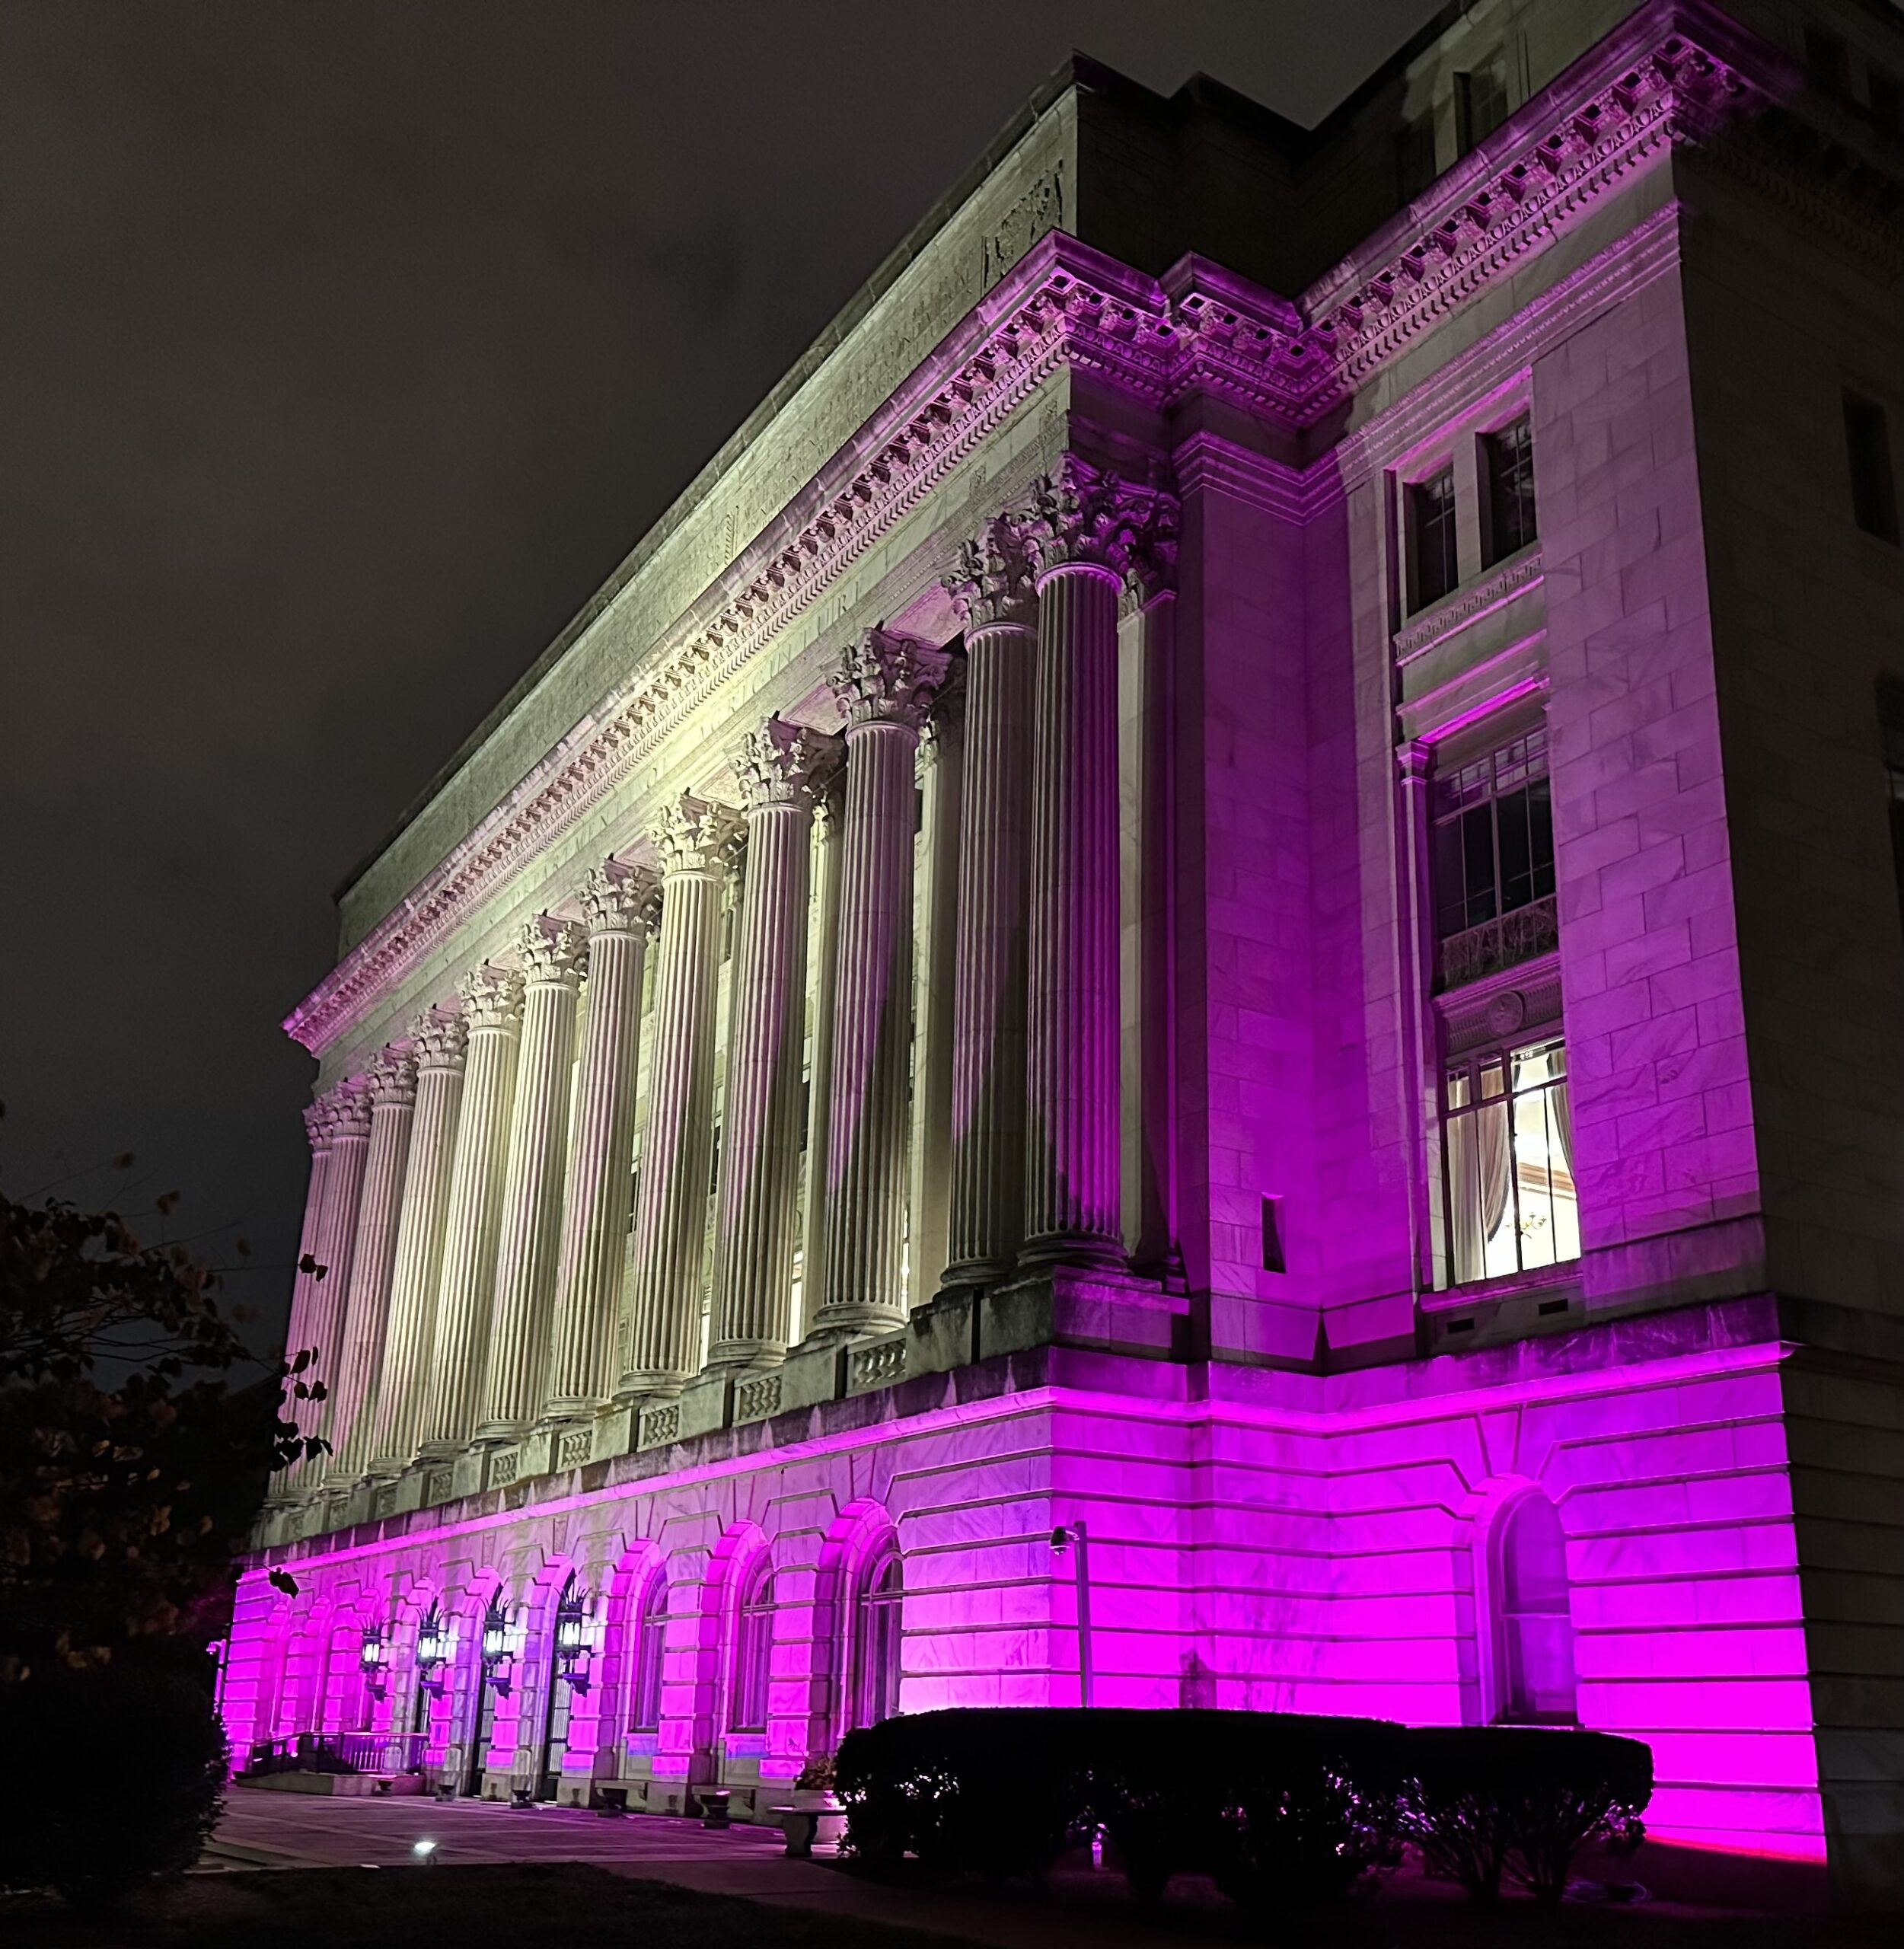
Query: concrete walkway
262	1828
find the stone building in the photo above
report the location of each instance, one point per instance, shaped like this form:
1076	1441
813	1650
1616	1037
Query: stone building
1215	923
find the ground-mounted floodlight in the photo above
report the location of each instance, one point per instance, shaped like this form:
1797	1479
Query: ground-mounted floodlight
424	1852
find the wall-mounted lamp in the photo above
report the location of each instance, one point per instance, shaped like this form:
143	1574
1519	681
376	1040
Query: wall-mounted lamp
502	1641
578	1635
433	1648
373	1657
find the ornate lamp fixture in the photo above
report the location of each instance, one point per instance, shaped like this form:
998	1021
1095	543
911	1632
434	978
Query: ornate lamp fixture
502	1641
578	1635
433	1648
373	1657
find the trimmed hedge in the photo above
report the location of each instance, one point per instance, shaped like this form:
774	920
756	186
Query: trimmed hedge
112	1777
1280	1810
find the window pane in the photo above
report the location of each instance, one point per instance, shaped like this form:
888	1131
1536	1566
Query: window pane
1450	881
1432	536
1508	463
1480	900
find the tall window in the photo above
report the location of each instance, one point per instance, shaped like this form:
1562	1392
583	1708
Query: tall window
1867	442
651	1645
1509	1130
1480	103
1415	168
873	1682
1493	857
1507	466
1433	569
1533	1628
753	1650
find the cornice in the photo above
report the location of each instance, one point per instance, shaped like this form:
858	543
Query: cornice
1519	571
1065	306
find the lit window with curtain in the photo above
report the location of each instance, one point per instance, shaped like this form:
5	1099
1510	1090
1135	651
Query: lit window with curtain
873	1683
650	1650
1533	1624
753	1650
1508	1135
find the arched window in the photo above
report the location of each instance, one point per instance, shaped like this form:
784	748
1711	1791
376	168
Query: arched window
753	1649
651	1645
1534	1627
872	1690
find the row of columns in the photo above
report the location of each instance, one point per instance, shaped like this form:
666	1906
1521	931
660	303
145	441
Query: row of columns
466	1251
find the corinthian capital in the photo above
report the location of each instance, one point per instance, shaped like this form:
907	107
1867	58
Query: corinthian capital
1080	516
392	1077
492	998
550	950
692	835
992	585
1151	568
785	765
350	1108
615	898
438	1037
320	1121
887	678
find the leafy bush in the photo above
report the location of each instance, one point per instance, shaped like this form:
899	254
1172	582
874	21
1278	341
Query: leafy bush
1483	1801
1282	1811
113	1776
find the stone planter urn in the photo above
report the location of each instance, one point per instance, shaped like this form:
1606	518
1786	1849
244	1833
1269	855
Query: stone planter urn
809	1814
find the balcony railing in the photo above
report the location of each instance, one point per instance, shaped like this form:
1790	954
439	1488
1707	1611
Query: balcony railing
1504	942
339	1752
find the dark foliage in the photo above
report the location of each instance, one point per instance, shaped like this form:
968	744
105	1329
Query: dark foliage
113	1776
1483	1801
129	1468
1281	1810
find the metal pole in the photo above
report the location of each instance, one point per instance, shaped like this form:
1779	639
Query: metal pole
1084	1672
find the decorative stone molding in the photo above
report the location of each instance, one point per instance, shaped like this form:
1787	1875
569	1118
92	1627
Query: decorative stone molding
574	1448
1081	517
492	998
692	835
659	1425
756	1399
550	951
883	1362
993	587
1519	571
615	898
1524	935
785	764
1670	76
439	1039
887	678
392	1077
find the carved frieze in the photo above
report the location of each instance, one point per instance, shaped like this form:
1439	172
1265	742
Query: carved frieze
1061	306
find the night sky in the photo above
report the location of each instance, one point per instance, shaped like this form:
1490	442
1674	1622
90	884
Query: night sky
344	348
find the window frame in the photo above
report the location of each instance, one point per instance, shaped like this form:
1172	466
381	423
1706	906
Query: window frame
1416	522
1537	767
648	1668
1496	1621
877	1621
750	1673
1495	547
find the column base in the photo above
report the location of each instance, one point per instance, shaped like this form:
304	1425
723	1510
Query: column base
1073	1251
963	1275
853	1320
648	1386
739	1357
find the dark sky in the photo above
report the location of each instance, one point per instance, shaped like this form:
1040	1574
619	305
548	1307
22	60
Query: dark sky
344	348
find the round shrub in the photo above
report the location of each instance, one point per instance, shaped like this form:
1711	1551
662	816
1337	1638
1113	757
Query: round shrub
112	1777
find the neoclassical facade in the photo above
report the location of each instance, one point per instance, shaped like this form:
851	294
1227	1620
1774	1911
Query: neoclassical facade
1212	927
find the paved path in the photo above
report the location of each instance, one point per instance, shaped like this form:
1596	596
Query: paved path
264	1829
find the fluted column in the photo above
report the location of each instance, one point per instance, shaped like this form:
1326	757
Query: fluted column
392	1084
1080	537
438	1038
491	1000
349	1107
939	773
819	1091
676	1155
583	1367
780	769
531	1236
992	593
317	1125
885	686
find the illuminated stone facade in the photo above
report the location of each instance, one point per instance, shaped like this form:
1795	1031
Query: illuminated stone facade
1262	923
